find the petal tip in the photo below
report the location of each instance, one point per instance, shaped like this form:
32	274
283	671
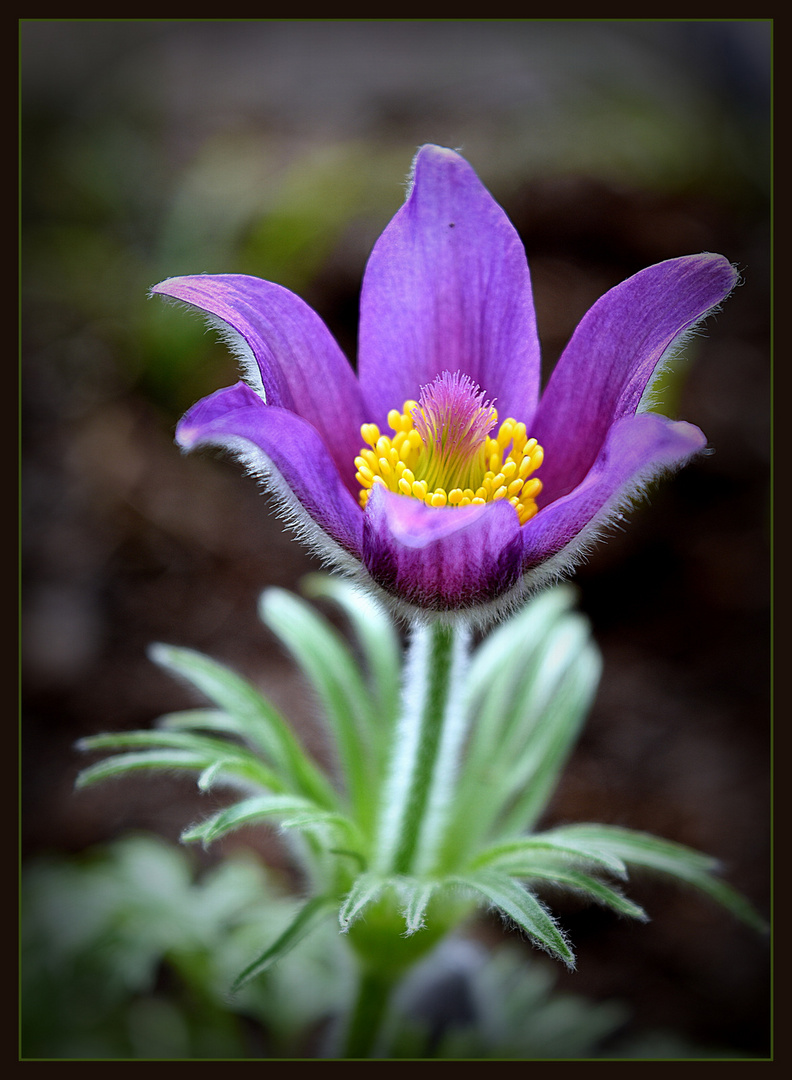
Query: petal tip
168	288
431	155
434	150
728	275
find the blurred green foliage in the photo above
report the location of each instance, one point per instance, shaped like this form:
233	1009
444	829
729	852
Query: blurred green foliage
128	954
125	956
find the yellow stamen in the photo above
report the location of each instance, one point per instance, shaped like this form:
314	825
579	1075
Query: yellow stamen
501	468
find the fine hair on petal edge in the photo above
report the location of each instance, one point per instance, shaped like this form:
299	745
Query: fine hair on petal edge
552	571
409	180
651	396
287	507
242	353
231	338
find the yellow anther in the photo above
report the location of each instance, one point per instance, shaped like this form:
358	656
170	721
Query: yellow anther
495	466
505	433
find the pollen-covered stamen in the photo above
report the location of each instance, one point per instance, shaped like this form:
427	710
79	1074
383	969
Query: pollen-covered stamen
442	453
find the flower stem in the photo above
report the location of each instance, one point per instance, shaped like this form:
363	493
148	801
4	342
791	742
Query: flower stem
368	1015
425	751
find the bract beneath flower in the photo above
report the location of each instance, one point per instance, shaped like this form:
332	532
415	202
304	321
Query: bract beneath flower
484	490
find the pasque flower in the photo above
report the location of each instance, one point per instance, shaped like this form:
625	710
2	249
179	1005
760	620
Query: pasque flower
439	474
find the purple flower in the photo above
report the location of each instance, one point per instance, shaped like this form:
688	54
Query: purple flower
439	474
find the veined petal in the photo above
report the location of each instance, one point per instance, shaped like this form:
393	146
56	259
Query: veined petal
446	305
637	449
613	355
289	355
274	441
447	289
440	559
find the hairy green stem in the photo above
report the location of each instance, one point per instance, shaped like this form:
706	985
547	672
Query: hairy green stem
425	751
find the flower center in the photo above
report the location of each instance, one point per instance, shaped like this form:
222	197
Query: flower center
441	451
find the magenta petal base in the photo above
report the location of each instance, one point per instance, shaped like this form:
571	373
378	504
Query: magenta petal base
440	560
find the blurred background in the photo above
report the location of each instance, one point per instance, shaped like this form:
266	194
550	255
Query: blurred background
279	148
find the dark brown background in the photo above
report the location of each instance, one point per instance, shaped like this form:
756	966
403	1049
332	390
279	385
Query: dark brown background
152	149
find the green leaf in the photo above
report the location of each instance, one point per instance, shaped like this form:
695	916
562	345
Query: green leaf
307	919
513	852
415	897
534	773
375	633
508	648
318	819
512	899
554	870
202	720
524	733
241	814
252	717
638	848
172	752
294	812
667	858
338	682
366	888
517	679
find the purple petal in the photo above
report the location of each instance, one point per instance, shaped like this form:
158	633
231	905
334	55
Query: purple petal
637	449
612	356
237	419
440	559
447	289
299	364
